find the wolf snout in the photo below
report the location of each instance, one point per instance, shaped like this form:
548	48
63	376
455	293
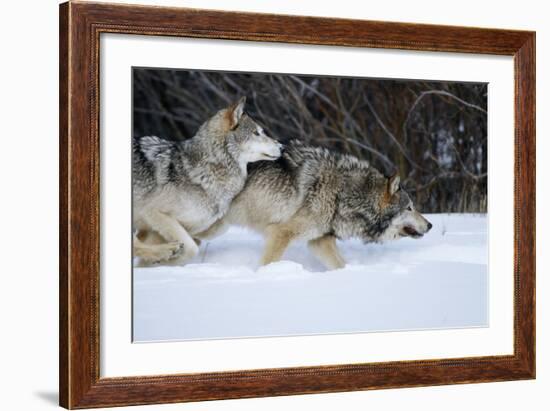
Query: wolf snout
429	226
271	150
277	149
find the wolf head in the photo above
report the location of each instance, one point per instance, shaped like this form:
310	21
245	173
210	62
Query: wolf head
376	209
243	137
405	220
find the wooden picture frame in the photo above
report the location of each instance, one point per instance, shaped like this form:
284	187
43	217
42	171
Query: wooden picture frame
80	27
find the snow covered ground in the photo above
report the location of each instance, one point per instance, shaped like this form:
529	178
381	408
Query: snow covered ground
439	281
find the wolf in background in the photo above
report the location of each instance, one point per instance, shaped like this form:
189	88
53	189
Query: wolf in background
312	194
181	188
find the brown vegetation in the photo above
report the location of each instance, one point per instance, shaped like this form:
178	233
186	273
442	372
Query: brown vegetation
434	134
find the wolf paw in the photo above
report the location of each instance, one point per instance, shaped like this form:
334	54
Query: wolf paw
177	251
169	251
160	253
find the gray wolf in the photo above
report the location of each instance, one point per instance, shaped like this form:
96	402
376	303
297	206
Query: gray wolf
319	196
181	188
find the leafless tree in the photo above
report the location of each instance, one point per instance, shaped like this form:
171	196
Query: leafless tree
434	134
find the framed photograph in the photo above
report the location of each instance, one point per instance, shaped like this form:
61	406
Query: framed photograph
259	205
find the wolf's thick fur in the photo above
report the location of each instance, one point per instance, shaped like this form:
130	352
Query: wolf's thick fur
182	188
320	196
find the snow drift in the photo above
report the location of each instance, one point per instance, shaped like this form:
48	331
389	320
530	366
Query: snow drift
439	281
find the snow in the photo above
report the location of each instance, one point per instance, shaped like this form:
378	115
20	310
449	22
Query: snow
437	282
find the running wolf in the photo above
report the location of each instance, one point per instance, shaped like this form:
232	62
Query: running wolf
181	188
319	196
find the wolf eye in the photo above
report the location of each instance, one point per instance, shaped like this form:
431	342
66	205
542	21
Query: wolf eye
256	133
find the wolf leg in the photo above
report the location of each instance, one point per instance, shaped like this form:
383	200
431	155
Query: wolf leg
147	236
277	240
155	253
172	231
215	230
325	249
152	237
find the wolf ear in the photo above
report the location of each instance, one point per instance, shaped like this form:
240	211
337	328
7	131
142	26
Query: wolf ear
393	184
235	113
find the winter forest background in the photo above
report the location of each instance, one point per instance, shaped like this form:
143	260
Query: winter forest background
433	133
